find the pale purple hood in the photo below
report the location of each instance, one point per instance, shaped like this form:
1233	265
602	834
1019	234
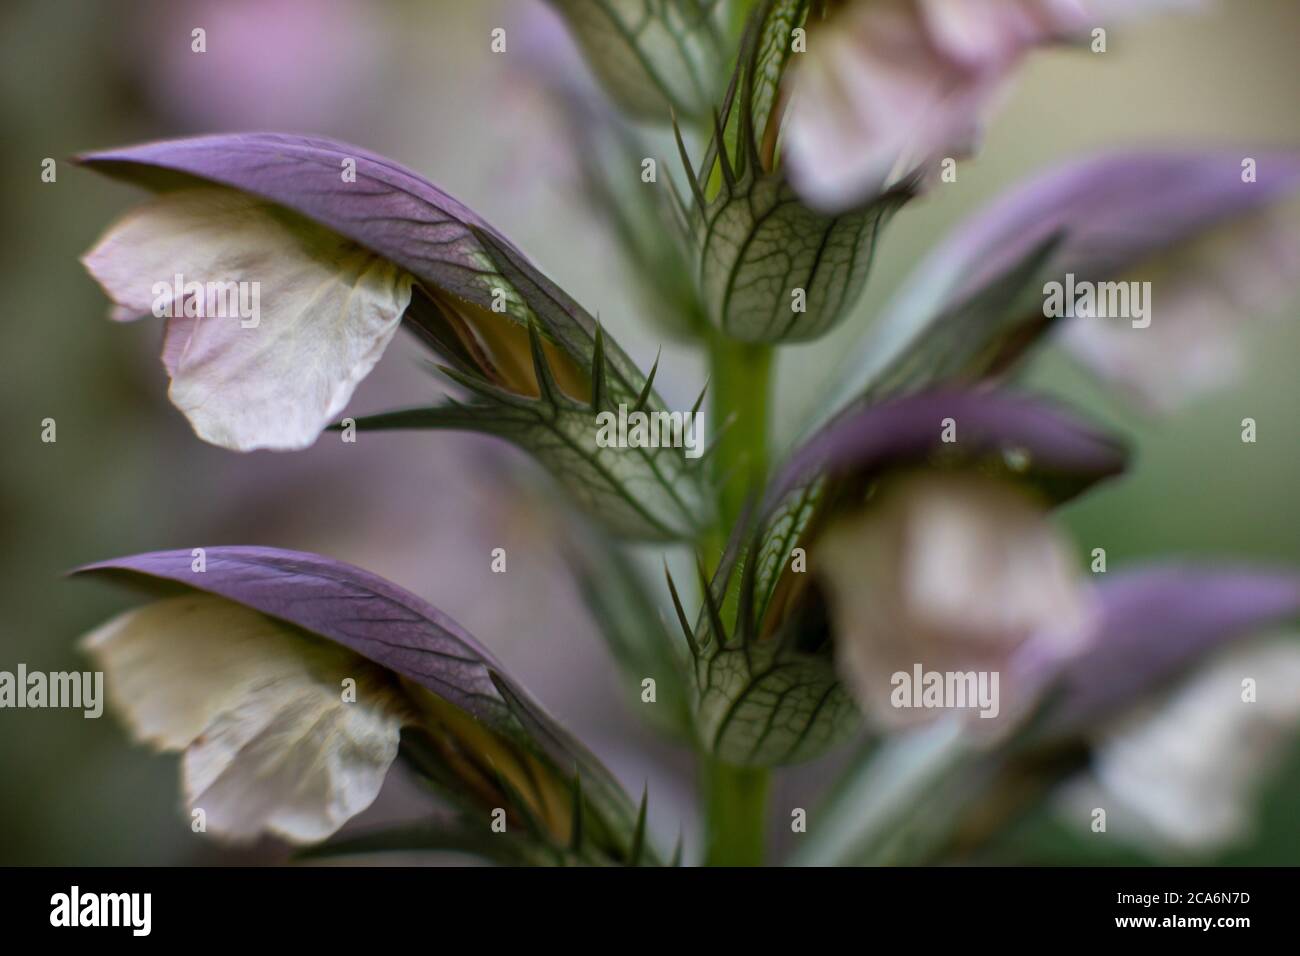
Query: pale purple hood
1112	211
1063	452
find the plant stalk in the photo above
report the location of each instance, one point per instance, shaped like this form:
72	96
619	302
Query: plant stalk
739	381
736	814
735	798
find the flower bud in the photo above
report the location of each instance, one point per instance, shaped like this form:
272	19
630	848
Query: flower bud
770	267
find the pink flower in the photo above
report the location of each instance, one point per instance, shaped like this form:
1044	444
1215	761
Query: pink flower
889	86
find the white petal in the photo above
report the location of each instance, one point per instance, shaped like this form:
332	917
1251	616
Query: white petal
1181	773
270	743
954	572
326	310
291	759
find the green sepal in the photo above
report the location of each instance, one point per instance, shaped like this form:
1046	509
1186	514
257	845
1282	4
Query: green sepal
649	493
770	268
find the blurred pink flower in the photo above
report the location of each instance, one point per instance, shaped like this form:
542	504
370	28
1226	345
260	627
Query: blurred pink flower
889	86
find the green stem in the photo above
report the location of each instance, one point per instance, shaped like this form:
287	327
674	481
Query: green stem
739	385
736	797
736	808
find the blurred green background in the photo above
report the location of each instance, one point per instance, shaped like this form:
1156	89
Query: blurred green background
416	81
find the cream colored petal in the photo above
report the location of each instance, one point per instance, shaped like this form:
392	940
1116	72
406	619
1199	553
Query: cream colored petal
270	743
290	759
173	665
316	313
954	572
